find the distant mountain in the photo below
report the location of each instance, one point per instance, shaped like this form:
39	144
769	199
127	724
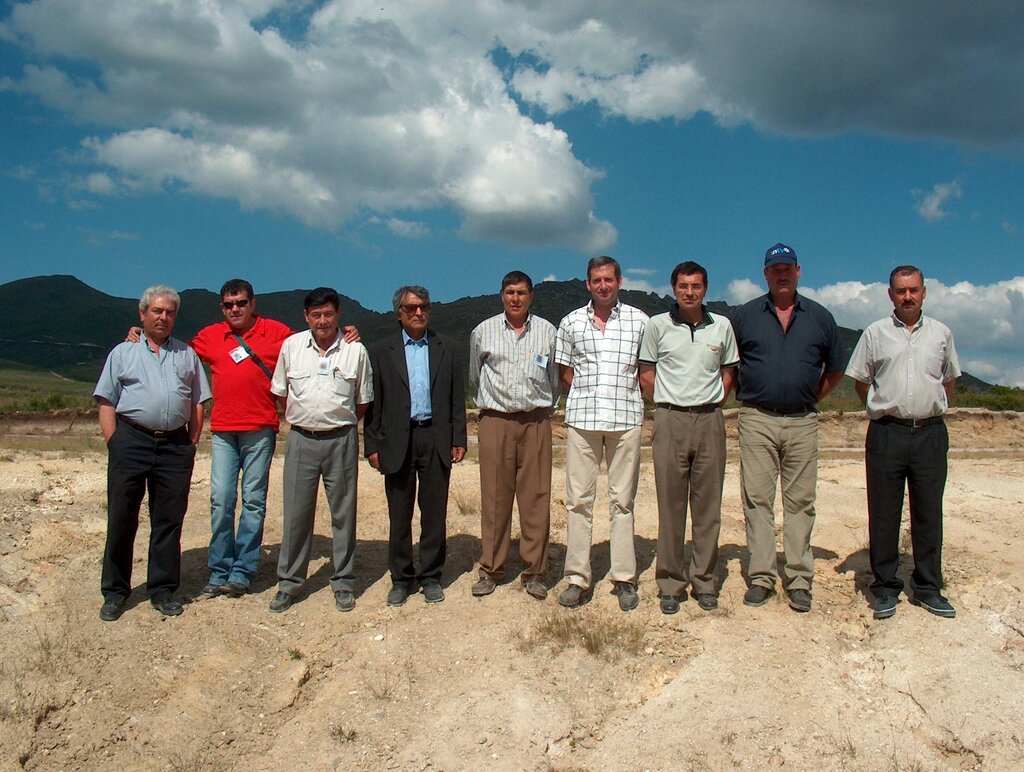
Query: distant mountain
59	323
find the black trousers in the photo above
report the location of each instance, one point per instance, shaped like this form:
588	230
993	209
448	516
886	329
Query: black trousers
897	457
136	462
423	465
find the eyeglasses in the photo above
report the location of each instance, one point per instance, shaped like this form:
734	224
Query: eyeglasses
412	308
227	305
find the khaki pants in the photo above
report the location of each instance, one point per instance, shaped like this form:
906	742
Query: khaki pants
689	468
772	446
515	464
584	451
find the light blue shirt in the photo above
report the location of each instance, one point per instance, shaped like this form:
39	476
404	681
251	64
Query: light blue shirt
157	391
417	362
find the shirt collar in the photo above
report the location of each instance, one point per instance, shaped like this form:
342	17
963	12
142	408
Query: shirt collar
407	341
614	313
311	342
899	323
705	317
256	329
508	326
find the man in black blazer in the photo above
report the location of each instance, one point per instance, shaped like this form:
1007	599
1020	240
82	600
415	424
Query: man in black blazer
415	429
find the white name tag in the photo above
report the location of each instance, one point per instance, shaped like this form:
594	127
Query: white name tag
540	360
238	354
323	367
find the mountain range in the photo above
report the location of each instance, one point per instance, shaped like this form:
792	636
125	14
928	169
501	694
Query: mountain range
62	325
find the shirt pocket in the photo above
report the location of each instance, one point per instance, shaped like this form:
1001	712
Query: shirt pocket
185	375
298	382
345	384
711	357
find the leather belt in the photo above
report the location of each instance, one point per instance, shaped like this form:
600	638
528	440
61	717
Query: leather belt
153	432
321	434
414	424
802	410
912	423
709	408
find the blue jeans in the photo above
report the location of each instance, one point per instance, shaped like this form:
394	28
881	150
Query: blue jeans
235	554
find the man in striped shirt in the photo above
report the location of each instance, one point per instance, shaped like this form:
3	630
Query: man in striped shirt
515	382
597	351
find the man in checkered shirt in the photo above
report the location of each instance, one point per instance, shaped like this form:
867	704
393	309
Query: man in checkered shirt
596	351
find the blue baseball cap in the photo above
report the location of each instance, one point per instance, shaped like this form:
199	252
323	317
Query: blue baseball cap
778	255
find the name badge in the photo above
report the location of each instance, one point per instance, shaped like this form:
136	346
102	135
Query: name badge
323	367
238	354
540	360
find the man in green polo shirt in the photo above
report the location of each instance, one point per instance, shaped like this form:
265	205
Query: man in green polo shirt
688	360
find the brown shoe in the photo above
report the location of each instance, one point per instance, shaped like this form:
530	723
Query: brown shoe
485	586
535	587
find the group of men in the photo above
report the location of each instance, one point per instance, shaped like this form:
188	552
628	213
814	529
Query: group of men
781	352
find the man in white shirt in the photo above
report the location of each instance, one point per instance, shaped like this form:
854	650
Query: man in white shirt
596	351
905	368
326	384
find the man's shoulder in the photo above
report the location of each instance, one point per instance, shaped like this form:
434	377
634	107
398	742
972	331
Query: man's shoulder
217	329
486	324
752	306
814	307
574	315
632	313
937	326
179	346
389	341
272	327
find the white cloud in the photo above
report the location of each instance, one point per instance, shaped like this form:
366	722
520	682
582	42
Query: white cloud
549	277
641	271
1009	228
406	228
930	205
987	320
642	285
99	238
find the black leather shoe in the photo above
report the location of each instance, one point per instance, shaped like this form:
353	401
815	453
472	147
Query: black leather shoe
281	602
571	596
432	593
628	599
707	601
936	604
757	595
167	605
534	587
398	595
112	608
669	604
885	606
212	590
344	600
800	600
235	589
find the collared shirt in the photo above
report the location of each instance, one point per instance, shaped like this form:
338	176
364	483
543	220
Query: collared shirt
155	390
242	401
689	358
322	390
905	368
417	362
780	370
605	393
511	372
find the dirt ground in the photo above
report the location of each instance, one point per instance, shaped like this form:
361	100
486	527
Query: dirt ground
508	682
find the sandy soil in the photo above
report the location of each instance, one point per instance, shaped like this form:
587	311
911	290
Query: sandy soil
507	682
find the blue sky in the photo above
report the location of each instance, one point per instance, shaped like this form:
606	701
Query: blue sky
365	145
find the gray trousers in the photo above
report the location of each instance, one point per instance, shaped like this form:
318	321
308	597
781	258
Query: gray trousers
689	468
335	457
773	446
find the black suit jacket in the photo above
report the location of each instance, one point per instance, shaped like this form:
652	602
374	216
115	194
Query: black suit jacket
386	426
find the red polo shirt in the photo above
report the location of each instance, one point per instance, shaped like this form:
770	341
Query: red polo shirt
242	401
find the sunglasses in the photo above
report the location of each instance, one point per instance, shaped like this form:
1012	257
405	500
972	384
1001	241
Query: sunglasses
227	305
412	308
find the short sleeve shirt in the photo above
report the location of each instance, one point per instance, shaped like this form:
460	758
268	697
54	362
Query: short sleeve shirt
689	358
242	401
155	390
780	370
905	369
510	372
322	391
605	393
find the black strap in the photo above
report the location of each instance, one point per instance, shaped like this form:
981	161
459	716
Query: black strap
253	357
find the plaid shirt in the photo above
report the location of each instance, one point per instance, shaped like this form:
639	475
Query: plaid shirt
605	393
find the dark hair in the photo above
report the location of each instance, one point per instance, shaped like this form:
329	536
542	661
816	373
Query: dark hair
401	292
905	270
321	296
687	269
234	286
600	262
516	277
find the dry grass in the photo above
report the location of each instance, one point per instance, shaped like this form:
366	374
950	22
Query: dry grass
593	632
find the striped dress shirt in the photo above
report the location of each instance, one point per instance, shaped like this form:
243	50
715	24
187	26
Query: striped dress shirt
513	373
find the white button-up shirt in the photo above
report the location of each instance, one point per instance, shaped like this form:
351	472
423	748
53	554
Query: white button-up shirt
322	390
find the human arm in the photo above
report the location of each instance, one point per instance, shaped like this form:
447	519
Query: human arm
950	387
827	382
108	419
458	453
728	382
862	390
350	334
134	335
565	374
647	374
196	421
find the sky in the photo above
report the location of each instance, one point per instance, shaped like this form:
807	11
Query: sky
445	142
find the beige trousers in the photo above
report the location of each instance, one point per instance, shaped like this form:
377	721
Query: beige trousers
774	446
689	468
583	455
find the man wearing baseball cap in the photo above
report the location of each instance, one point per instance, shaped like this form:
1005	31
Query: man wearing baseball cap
791	357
